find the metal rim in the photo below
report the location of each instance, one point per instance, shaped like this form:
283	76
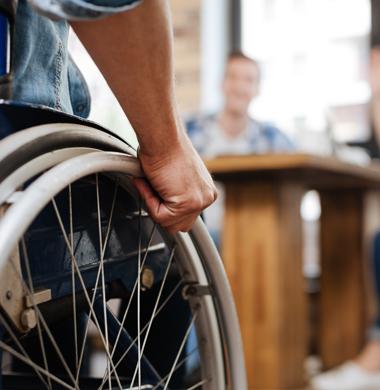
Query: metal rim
36	166
19	148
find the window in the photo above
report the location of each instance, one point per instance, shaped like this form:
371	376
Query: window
314	59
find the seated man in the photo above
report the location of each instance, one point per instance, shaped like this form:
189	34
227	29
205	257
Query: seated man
232	130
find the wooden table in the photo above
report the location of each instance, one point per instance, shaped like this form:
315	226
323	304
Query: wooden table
262	252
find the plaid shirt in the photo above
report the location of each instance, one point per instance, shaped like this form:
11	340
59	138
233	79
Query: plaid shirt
259	138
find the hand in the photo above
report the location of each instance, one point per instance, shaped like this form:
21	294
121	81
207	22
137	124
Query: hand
179	188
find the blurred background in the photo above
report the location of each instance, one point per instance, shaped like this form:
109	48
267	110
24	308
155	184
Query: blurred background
314	59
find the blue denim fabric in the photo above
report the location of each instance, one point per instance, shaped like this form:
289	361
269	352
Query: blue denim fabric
82	9
43	71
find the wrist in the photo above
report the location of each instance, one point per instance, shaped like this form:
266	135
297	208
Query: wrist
164	140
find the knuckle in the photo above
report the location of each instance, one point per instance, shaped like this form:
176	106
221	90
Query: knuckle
199	199
215	193
194	203
210	196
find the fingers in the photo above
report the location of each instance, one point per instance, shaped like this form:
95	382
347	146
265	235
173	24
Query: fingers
183	225
152	201
156	208
170	220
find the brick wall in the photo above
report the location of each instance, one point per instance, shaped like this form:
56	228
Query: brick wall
186	21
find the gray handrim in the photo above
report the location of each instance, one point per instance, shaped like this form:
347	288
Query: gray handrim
19	216
19	148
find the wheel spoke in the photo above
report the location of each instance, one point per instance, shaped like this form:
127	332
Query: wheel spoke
39	331
151	235
200	383
35	366
22	349
110	218
97	280
162	306
180	364
81	355
89	302
154	312
139	297
40	317
134	289
101	252
186	336
73	281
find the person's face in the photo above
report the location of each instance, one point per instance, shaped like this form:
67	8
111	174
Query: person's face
240	84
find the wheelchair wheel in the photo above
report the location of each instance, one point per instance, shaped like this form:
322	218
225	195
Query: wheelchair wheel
74	236
41	147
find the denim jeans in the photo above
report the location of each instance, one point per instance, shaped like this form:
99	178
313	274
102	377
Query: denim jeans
43	70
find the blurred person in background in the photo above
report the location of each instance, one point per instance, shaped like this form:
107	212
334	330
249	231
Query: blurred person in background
363	372
233	131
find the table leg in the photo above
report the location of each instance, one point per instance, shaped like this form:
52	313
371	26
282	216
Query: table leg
262	251
342	298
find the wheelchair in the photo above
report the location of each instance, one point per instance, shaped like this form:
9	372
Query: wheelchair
75	236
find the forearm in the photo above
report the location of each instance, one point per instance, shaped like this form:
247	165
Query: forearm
133	51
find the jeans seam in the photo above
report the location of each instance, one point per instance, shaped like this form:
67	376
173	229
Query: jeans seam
58	77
